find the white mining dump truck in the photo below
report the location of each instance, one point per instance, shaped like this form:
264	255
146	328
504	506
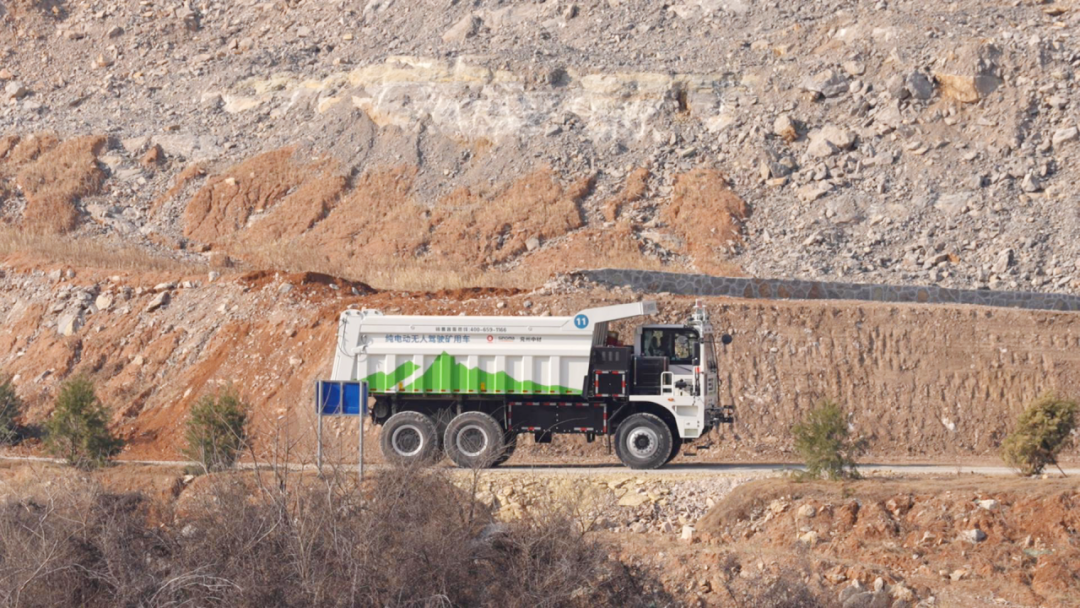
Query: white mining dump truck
468	386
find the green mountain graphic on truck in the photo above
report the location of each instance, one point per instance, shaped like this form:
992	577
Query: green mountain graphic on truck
446	375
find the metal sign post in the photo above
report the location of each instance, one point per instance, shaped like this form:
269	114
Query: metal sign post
341	399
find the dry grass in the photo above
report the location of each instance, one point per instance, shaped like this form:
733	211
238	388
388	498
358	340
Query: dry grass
55	180
221	208
389	271
46	248
472	228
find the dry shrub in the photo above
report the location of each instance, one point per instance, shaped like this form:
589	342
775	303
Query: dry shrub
76	546
413	540
56	179
223	205
28	149
708	216
788	591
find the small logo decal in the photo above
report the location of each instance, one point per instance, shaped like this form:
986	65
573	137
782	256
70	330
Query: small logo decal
491	338
581	321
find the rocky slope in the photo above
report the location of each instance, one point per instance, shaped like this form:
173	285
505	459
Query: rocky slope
880	141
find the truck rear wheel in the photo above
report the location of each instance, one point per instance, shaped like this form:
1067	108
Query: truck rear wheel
409	438
508	449
643	441
474	440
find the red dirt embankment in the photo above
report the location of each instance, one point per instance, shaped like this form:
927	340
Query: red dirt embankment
922	383
965	540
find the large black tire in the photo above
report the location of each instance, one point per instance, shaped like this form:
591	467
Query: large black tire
508	449
676	446
409	438
643	441
474	440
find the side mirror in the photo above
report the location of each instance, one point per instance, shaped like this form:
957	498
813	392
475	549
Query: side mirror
725	339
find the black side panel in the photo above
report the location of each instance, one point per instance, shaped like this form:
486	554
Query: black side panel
553	417
647	373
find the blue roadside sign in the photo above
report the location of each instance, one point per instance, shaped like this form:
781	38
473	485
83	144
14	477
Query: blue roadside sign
341	398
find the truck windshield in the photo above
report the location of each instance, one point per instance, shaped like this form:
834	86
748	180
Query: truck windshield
680	346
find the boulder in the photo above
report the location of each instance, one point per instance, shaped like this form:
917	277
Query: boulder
161	299
971	73
69	324
785	128
973	535
465	28
920	86
829	140
829	83
16	90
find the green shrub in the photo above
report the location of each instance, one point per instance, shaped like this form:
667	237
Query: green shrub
1043	430
217	430
823	442
78	430
10	408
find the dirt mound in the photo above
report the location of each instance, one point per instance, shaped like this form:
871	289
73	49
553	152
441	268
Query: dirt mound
968	539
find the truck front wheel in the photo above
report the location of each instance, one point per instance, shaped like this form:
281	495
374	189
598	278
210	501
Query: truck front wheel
409	438
474	440
643	441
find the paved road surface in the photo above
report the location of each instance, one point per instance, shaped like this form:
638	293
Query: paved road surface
756	469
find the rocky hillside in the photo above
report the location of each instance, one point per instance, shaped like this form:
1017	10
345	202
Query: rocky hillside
462	143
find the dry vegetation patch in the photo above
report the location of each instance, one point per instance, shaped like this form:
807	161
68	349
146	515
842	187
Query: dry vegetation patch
408	538
223	205
474	228
56	179
708	216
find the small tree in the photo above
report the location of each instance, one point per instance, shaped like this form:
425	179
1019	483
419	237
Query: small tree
823	442
78	430
10	408
1042	432
217	430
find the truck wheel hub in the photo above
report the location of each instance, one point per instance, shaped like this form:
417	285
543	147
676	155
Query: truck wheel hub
642	442
407	440
471	440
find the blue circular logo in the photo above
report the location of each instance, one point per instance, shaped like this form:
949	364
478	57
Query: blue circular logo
581	321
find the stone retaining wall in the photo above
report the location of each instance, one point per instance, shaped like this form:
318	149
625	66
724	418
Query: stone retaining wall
790	289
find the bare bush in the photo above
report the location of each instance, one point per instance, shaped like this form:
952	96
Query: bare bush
411	538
